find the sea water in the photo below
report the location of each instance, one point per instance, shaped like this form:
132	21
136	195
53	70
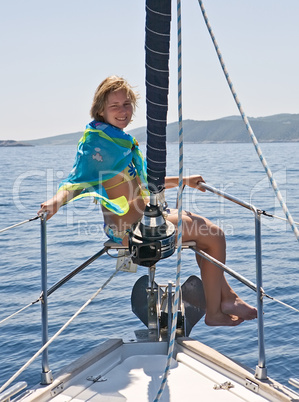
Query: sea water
30	176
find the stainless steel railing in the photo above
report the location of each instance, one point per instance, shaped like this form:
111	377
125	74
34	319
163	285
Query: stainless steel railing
46	376
261	370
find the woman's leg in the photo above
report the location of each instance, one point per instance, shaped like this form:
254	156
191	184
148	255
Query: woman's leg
224	307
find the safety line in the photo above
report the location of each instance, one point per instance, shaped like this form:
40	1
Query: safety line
265	213
19	224
4	386
249	128
62	281
238	276
180	213
19	311
281	302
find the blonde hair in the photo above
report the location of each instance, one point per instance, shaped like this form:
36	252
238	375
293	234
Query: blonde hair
110	84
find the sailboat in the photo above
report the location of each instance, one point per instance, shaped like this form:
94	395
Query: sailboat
162	362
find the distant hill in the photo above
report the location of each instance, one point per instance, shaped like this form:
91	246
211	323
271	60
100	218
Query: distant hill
62	139
277	128
12	143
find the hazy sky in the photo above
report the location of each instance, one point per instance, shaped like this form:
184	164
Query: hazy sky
55	53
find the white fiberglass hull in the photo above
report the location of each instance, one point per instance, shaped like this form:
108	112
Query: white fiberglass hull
118	371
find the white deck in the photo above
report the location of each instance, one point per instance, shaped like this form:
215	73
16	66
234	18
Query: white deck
133	372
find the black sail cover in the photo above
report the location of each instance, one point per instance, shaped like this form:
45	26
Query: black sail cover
157	39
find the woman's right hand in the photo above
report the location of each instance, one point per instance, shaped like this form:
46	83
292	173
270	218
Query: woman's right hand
60	198
51	207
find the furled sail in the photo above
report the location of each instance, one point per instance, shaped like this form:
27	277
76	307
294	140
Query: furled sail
157	39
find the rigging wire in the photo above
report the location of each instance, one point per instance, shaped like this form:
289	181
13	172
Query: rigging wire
249	128
180	211
8	382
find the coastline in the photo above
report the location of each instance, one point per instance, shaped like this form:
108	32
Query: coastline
12	143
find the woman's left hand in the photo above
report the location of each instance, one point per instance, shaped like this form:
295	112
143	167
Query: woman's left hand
193	181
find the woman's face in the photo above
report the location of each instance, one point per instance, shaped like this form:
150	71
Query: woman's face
118	110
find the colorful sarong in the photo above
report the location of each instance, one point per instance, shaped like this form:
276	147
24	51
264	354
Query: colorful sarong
103	152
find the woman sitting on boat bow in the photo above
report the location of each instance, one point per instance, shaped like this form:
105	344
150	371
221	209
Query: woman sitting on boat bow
109	166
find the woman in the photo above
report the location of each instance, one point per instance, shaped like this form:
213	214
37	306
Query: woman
109	166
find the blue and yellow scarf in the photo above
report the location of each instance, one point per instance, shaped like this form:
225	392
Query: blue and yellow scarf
103	152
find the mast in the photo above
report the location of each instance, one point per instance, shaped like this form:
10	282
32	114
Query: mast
153	238
157	40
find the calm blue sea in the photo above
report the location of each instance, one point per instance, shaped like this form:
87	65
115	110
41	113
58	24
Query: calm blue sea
29	176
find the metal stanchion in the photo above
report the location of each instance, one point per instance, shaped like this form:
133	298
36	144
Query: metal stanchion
46	375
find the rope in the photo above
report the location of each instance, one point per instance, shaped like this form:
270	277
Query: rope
249	129
180	212
4	386
277	217
237	276
19	224
279	301
62	281
19	311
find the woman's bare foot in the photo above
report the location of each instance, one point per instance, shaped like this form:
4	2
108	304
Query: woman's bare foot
222	320
239	308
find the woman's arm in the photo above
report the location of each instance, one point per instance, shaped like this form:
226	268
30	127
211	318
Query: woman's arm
60	198
191	181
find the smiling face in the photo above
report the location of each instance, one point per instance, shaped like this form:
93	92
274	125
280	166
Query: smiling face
118	109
